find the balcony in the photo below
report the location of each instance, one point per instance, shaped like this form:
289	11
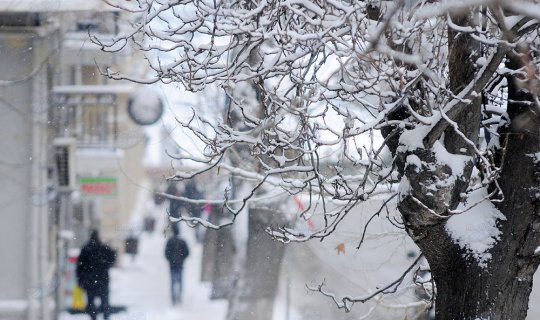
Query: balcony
91	114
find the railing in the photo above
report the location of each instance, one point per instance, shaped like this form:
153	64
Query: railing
89	117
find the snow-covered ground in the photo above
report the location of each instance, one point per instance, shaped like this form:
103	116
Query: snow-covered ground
142	285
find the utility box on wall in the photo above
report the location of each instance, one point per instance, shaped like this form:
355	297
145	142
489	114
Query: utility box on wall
64	152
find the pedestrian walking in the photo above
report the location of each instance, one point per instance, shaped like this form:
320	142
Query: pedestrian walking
175	205
194	209
176	251
93	266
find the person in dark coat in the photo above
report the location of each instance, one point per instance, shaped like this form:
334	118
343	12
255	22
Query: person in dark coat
93	266
175	205
191	192
176	251
194	209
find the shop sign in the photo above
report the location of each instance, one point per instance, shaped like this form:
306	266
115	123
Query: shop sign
98	186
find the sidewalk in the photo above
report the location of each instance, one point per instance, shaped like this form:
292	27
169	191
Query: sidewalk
142	285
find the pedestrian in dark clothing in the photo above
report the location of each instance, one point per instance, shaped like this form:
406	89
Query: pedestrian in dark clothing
194	209
191	192
176	251
175	205
93	266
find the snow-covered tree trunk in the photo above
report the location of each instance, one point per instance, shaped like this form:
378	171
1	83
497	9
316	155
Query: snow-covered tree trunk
255	291
496	283
500	289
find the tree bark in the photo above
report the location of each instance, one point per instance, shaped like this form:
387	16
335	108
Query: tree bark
223	271
255	291
464	290
500	291
469	293
210	244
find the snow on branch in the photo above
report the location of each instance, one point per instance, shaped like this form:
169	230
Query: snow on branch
335	102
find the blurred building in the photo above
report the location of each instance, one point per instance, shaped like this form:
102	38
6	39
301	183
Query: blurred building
71	154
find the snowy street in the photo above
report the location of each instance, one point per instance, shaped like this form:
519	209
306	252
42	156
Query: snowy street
269	160
142	285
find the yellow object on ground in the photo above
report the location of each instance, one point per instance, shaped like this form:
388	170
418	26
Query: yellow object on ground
78	301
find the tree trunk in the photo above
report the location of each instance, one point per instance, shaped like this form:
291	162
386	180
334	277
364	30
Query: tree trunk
222	275
210	242
500	291
467	291
500	288
255	291
464	289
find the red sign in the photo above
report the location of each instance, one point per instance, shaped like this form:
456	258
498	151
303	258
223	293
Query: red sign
99	186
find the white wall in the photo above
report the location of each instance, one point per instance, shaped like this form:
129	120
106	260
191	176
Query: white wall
23	171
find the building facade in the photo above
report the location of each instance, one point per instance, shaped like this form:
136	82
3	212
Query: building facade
71	156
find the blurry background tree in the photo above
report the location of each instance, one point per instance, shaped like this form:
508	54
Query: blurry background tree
337	101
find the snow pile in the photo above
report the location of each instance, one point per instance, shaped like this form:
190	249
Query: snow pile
535	156
413	139
456	162
404	187
475	230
